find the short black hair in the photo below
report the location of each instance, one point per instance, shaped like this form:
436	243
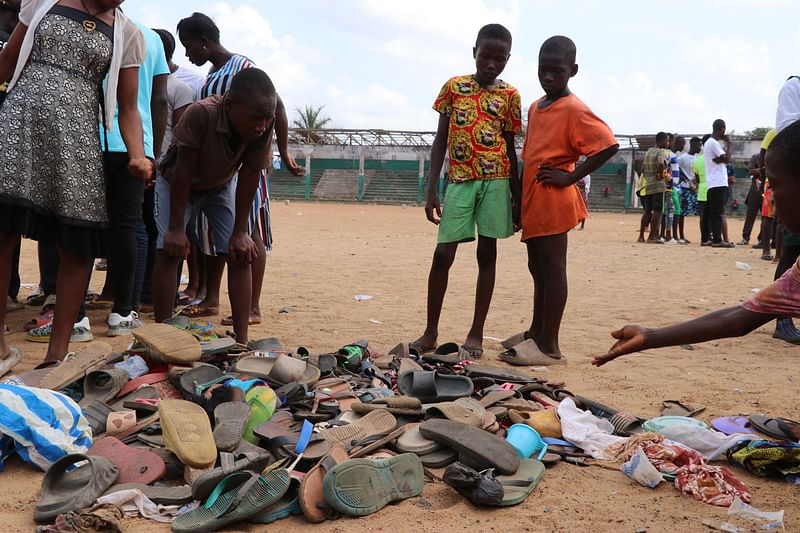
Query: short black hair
660	136
695	140
493	31
560	45
251	83
168	41
719	123
787	142
198	26
706	137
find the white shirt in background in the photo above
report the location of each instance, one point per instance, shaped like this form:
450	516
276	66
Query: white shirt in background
716	173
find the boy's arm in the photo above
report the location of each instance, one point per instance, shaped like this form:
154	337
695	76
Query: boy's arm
175	242
433	208
241	247
158	112
730	322
282	133
513	179
561	178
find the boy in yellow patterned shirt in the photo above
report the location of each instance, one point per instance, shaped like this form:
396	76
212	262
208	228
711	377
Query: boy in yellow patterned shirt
479	116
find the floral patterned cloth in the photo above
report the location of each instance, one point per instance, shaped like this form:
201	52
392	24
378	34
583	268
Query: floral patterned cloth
51	166
478	119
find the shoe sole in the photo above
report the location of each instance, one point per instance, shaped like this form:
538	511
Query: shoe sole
118	332
75	337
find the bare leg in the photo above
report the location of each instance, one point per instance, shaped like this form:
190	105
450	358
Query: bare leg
655	227
725	229
8	241
258	268
535	331
443	258
646	216
215	266
193	286
240	289
165	283
552	256
71	267
487	263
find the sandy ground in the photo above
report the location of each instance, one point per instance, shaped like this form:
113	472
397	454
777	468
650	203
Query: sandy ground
325	254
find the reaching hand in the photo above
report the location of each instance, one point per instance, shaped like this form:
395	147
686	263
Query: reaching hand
242	249
292	165
141	168
629	339
176	244
554	176
433	209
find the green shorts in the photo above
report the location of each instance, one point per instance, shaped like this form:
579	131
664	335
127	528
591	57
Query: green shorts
482	203
676	201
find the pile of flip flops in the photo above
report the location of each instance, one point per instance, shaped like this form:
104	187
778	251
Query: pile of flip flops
203	433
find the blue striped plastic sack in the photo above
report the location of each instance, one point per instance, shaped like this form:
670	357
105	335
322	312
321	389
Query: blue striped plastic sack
44	425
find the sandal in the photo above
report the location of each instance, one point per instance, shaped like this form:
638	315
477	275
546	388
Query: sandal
199	311
228	321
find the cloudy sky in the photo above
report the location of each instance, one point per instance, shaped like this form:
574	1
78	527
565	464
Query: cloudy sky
644	66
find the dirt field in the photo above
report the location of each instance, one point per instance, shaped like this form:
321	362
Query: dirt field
325	254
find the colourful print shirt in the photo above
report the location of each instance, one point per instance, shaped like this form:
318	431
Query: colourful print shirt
478	118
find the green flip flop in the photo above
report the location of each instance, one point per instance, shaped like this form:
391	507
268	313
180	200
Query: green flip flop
517	487
240	496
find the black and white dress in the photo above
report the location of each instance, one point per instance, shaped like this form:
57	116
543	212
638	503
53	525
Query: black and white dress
52	185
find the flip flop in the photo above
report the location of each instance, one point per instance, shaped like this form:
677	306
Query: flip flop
187	432
359	487
64	491
168	344
228	321
10	361
470	413
120	422
135	465
288	505
205	483
413	347
498	373
312	498
280	369
527	353
216	346
476	448
397	405
230	419
466	352
192	381
412	441
199	311
373	424
268	345
160	495
678	408
103	385
517	487
624	423
236	498
733	424
96	414
439	459
513	340
284	441
775	427
76	366
145	392
431	386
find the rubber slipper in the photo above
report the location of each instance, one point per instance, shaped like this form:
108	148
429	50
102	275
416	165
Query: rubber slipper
517	487
160	495
430	386
527	353
96	414
32	377
545	422
404	406
230	419
312	498
64	491
476	448
412	441
10	361
467	353
198	376
280	369
142	382
216	346
135	465
228	321
145	392
414	348
187	432
76	366
439	458
513	340
359	487
790	428
42	320
732	424
268	345
236	498
205	483
283	441
166	343
498	373
374	424
624	423
120	422
103	385
471	414
678	408
326	362
288	505
772	426
199	311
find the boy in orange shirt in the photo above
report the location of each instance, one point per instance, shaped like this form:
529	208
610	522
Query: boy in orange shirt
478	117
561	128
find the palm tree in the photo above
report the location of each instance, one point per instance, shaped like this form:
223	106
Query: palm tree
309	120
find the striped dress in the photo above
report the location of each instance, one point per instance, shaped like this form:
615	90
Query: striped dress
217	83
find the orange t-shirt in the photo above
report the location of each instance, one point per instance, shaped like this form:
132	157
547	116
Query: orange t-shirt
478	119
557	136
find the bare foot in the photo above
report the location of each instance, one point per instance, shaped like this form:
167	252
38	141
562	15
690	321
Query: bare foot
424	344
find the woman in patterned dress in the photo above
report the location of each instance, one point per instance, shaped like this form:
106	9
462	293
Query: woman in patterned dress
52	185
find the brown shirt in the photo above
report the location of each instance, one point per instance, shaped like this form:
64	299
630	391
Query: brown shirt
204	127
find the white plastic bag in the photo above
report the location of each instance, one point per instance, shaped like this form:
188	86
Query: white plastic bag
710	443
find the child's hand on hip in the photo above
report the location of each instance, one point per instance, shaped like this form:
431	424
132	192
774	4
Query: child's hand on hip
554	176
433	209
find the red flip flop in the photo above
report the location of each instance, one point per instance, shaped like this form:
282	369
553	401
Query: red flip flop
136	465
